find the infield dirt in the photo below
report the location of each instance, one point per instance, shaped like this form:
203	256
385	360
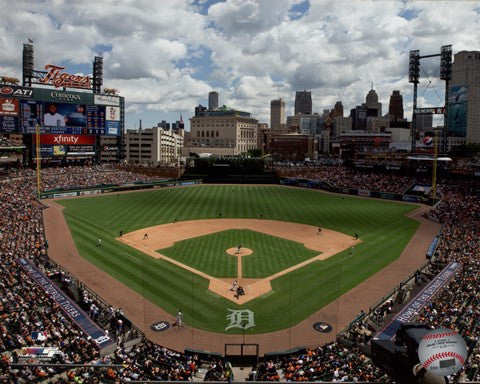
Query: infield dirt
327	243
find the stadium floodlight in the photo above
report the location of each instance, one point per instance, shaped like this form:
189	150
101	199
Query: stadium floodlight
28	64
414	66
97	74
446	62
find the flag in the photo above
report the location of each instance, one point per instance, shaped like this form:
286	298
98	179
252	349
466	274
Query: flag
30	41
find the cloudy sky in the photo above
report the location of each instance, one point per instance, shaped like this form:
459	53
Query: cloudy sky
166	55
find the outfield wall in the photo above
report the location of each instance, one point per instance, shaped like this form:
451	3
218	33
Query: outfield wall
323	185
116	188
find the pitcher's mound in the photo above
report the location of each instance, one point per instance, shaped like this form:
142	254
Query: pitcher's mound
243	251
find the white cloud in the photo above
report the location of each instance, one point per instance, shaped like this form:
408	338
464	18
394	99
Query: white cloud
166	55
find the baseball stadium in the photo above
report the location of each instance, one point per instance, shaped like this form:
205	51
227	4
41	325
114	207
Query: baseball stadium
326	272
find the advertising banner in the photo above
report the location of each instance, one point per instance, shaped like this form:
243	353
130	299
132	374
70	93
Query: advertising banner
112	128
363	192
9	106
68	306
8	124
414	306
457	111
13	91
112	113
107	100
58	96
62	139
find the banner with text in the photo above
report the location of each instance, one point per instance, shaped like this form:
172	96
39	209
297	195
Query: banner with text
414	306
68	306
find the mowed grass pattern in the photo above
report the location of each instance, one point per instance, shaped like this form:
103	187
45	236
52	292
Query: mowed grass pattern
270	254
382	225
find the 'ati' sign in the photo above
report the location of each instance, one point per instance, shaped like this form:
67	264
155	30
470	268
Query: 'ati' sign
62	139
60	79
16	91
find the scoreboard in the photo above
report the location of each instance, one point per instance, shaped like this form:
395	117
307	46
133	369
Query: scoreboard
59	112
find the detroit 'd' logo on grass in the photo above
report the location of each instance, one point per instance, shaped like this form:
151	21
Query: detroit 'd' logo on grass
442	352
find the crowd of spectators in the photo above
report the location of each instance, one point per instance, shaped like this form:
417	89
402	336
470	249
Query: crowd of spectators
25	308
343	177
457	306
30	317
72	177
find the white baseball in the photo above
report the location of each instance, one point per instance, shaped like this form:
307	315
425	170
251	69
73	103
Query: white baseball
442	352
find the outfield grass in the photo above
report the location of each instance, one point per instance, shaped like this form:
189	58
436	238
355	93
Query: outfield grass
270	254
381	225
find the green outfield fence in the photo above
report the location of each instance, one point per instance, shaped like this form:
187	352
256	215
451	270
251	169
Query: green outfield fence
108	188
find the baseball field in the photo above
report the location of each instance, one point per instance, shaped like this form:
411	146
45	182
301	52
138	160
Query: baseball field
291	269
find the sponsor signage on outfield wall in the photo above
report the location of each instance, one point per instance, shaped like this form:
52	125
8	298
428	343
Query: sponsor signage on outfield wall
68	306
363	192
118	188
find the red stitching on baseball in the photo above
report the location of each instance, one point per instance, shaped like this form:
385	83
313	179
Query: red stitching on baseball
442	355
439	335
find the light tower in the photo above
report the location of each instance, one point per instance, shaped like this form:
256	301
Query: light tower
445	74
413	76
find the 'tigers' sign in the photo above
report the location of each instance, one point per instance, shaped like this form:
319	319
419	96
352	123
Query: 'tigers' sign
60	79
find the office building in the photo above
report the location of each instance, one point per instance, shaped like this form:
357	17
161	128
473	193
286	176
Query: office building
395	108
304	123
303	102
277	114
153	146
374	108
338	109
212	100
464	97
223	132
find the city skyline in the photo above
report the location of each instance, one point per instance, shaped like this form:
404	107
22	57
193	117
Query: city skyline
166	59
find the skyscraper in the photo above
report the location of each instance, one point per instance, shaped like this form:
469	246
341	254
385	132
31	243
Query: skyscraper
464	97
277	114
303	102
395	108
338	109
212	100
372	104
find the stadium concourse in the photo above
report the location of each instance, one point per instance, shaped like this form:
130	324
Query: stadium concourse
28	317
